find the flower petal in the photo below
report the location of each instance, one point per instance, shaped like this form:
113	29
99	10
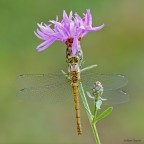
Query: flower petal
90	29
45	44
42	35
59	26
94	29
38	35
65	17
75	45
70	16
70	27
46	29
88	18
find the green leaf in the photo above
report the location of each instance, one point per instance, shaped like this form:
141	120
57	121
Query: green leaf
104	114
84	100
88	68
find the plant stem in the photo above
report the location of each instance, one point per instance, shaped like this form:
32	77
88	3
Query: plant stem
93	125
95	111
90	116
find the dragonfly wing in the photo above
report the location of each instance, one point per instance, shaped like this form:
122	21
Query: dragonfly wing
109	82
111	85
115	97
46	94
32	80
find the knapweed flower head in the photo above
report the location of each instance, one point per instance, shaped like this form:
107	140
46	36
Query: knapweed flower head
70	30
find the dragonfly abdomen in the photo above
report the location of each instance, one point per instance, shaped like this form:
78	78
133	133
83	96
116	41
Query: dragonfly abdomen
77	108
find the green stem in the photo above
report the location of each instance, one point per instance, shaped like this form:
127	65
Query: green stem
90	116
93	125
95	112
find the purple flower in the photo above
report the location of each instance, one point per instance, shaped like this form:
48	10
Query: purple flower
70	30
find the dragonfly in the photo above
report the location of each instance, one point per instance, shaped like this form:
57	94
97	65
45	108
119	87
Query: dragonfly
59	86
54	87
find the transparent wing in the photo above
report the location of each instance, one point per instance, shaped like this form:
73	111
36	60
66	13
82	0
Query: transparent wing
32	80
53	87
109	82
111	85
46	94
115	97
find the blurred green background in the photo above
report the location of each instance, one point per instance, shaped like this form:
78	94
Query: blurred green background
118	48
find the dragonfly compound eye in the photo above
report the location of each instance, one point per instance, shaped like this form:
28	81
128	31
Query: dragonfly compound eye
69	60
76	60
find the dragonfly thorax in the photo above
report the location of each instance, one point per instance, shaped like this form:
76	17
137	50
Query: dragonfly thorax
73	69
73	63
74	77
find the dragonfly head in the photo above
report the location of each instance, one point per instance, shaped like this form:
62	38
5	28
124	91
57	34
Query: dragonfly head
73	60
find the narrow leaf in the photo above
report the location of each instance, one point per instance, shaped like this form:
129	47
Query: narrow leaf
89	95
104	114
84	100
89	67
